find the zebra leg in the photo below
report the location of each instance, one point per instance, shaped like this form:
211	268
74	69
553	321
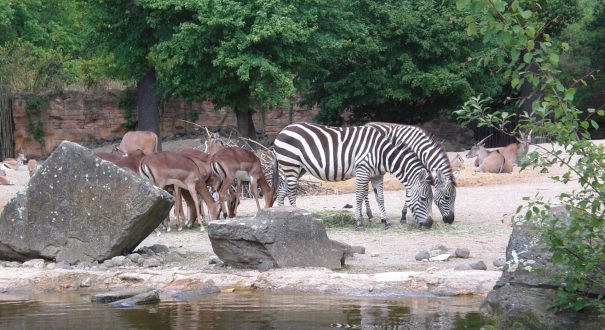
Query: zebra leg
404	210
377	183
368	209
361	193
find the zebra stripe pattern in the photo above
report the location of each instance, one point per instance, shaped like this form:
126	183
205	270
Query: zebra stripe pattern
340	153
433	157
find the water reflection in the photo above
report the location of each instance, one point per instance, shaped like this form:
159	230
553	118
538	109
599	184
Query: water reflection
250	310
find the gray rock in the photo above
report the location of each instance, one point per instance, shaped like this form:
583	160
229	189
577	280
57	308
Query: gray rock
12	264
500	262
276	237
108	263
374	255
112	296
522	297
147	298
463	267
80	208
182	252
462	252
51	266
214	260
134	257
118	261
151	262
86	282
159	248
434	253
424	254
206	288
479	265
82	265
172	256
34	263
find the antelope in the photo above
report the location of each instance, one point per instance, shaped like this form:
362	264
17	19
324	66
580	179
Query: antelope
232	163
170	168
515	151
12	163
4	181
32	167
232	197
130	161
457	164
489	161
145	140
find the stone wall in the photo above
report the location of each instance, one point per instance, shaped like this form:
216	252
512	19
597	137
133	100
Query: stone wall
88	118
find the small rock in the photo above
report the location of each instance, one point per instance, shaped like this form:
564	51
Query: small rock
63	265
434	253
134	257
347	206
441	257
479	265
82	265
440	247
463	267
108	263
118	261
182	252
12	264
51	265
500	262
86	282
159	248
108	297
152	297
422	255
206	288
151	262
214	260
34	263
374	254
462	252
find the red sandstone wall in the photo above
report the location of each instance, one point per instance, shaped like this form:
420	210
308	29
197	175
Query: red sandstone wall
87	118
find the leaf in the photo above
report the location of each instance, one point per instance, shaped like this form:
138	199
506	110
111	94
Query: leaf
530	44
526	14
514	82
554	59
527	58
601	113
569	94
514	55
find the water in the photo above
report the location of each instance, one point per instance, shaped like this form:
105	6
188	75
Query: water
250	310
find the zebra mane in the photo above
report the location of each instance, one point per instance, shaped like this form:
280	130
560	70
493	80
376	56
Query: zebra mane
432	138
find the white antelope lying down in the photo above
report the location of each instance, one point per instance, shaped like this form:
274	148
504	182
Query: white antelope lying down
170	168
489	161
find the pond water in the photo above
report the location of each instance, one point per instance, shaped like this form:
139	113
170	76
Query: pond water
249	310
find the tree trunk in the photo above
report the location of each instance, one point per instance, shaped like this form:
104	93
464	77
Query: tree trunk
7	141
245	125
147	105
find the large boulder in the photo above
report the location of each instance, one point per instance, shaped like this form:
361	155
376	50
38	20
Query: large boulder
78	208
522	297
277	237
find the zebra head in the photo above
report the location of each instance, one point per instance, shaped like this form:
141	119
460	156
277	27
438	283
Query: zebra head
445	195
419	197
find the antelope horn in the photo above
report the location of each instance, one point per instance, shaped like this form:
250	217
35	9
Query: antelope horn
482	142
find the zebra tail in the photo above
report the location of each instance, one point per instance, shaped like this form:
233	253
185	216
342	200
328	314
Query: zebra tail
275	178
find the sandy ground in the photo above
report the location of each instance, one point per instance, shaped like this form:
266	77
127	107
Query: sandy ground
484	206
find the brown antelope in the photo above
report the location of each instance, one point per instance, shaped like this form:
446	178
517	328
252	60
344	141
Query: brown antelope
515	151
170	168
112	156
131	161
489	161
4	181
12	163
32	167
232	163
144	140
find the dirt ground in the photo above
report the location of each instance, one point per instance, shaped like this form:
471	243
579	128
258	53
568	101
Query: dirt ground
485	204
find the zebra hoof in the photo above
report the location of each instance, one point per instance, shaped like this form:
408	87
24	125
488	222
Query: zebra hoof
387	225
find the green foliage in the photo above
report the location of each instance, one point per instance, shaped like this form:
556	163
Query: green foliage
336	219
33	109
525	52
398	61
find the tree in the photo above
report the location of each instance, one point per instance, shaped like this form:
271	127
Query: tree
400	61
578	244
244	55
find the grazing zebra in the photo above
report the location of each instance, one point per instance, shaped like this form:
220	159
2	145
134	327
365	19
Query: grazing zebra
433	157
340	153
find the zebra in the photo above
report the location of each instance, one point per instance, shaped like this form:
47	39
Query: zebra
340	153
432	156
